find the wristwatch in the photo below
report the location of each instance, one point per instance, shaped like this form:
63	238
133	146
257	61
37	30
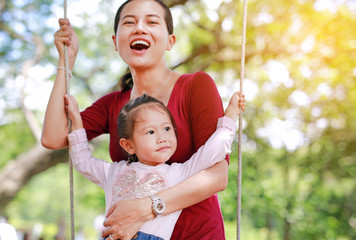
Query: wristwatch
158	205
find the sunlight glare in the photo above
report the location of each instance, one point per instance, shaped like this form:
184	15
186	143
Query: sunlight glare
322	5
324	89
308	44
212	15
299	98
278	74
305	71
2	111
322	123
262	18
316	112
213	5
38	89
227	24
282	134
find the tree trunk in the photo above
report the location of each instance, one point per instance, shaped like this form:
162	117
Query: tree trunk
18	172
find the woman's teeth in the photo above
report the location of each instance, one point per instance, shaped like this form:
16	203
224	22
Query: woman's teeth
139	45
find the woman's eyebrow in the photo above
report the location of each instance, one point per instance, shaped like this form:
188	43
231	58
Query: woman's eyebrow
153	15
148	15
127	16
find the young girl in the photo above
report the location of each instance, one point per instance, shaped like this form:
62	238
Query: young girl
147	131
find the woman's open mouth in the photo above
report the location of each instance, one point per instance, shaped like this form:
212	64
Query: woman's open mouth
139	45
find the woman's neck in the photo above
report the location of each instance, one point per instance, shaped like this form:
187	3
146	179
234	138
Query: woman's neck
151	82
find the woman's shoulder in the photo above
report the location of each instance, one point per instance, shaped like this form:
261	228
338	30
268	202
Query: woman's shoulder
196	79
107	105
116	94
196	76
114	97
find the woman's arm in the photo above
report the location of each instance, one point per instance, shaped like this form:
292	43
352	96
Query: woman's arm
125	218
188	192
55	127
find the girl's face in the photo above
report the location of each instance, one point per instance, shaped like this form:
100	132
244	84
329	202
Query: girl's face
142	35
153	140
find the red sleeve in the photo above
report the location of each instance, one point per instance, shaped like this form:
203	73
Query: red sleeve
101	117
205	108
96	117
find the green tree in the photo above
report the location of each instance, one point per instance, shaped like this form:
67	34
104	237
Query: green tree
299	160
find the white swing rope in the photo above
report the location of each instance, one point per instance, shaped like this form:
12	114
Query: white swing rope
242	76
67	74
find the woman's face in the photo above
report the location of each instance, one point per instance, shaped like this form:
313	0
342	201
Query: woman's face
142	35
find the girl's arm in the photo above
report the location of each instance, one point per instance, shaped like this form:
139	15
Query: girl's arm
55	127
95	170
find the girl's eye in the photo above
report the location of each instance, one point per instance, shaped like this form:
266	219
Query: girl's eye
167	129
150	132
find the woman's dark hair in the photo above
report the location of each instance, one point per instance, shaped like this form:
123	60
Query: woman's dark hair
167	15
130	112
126	82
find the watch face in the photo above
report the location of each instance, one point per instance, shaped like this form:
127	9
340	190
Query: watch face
160	207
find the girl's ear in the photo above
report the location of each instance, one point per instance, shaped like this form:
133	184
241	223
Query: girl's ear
127	145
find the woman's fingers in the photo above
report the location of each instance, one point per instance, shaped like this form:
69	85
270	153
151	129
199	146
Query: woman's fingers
123	220
63	21
66	36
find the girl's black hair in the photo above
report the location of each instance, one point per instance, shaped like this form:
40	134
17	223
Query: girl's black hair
126	82
129	113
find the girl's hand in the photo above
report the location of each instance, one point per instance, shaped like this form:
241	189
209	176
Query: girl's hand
125	218
66	36
71	107
236	103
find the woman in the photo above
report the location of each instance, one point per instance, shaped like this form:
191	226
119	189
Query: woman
143	32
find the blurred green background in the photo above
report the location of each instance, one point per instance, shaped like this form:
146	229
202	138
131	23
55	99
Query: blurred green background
299	130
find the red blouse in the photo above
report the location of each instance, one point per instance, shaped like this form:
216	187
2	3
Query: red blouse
195	105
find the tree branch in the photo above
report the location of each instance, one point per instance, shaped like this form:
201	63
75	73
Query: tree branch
173	3
18	172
